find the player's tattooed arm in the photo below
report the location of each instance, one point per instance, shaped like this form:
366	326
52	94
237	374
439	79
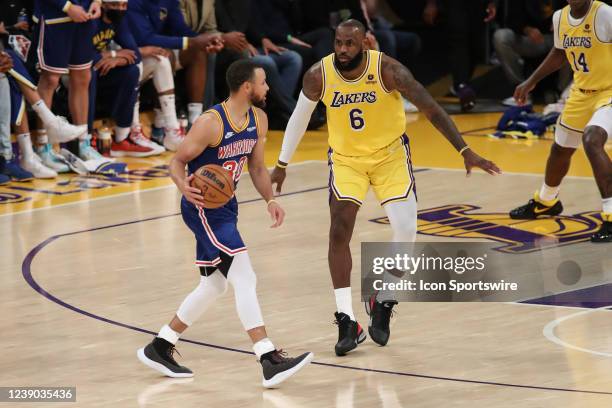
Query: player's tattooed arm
395	76
312	84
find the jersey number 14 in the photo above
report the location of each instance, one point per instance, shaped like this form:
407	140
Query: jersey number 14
580	62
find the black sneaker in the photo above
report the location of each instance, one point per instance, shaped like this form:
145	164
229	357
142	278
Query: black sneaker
158	355
277	367
380	314
534	209
604	234
350	334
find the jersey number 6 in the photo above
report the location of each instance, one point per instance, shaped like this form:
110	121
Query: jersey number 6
356	118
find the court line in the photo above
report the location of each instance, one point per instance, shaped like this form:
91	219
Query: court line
26	270
549	332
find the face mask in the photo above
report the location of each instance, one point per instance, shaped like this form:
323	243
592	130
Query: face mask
115	16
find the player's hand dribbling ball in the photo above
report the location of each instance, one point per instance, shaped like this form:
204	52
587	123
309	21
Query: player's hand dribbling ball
215	184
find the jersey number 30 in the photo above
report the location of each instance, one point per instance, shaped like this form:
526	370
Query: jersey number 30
580	62
356	119
235	167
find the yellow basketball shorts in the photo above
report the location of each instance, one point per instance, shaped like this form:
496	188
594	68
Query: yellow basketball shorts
388	171
580	107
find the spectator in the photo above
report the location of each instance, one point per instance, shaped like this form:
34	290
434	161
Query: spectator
282	66
23	90
160	23
401	45
282	26
69	23
200	17
528	35
9	168
17	15
115	77
465	25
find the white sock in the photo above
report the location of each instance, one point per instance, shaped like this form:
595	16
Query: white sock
25	145
548	193
168	334
195	110
121	133
607	205
159	121
85	135
344	301
168	109
43	111
262	347
42	137
136	116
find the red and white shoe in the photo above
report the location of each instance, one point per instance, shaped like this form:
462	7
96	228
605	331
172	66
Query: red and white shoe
128	148
141	140
174	137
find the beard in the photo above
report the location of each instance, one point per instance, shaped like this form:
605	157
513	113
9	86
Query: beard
350	65
258	102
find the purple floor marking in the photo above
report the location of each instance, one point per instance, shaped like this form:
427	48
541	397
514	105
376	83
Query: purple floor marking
26	270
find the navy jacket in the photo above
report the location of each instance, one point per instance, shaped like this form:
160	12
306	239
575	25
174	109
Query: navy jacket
159	23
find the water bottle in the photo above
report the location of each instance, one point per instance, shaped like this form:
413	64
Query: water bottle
183	121
105	137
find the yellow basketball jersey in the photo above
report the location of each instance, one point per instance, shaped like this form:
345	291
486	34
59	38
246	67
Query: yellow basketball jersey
590	59
362	116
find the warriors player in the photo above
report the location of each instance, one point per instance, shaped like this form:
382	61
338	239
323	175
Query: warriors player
229	134
583	35
363	93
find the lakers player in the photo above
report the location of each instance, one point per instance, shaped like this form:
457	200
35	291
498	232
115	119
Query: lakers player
363	91
583	36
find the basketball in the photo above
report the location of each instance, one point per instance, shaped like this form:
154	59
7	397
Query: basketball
216	185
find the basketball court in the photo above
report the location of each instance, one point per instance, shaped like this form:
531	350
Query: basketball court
92	267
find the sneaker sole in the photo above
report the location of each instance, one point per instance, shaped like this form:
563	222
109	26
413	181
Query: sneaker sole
131	154
159	367
280	377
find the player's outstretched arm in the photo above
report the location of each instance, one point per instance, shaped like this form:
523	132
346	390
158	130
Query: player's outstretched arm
395	76
206	131
312	88
259	173
553	62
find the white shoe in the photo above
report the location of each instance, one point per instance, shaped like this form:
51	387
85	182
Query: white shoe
34	165
141	140
409	107
61	131
51	159
77	165
87	152
174	137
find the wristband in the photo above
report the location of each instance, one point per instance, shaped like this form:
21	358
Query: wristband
271	201
113	54
463	149
281	164
289	38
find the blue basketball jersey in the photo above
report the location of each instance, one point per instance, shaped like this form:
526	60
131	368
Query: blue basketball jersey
233	146
216	230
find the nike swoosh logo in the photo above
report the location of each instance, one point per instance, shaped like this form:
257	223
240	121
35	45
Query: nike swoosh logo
229	134
536	211
252	128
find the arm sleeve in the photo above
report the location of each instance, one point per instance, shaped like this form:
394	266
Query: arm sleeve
603	23
298	122
176	21
60	4
210	24
126	40
254	32
144	32
556	19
